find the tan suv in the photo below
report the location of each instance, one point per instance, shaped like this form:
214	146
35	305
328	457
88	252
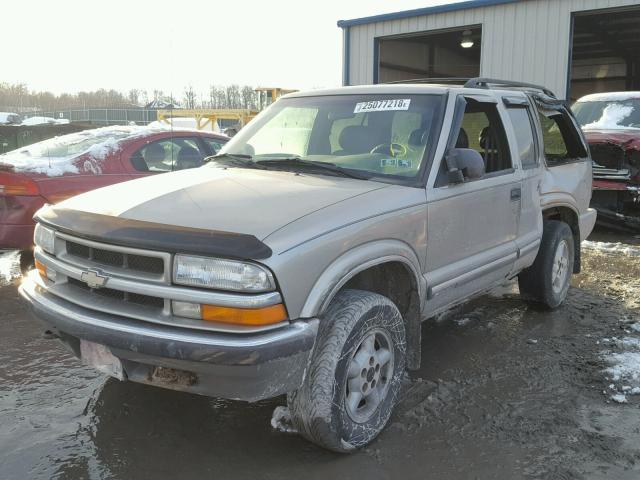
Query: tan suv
303	258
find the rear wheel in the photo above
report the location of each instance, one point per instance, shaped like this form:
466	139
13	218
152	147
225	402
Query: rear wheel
353	380
547	281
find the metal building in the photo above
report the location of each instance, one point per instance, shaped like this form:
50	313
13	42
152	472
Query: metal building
574	47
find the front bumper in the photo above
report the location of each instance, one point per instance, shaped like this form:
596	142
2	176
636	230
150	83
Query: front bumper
244	367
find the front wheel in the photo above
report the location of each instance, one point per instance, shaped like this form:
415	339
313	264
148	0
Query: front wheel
547	281
353	381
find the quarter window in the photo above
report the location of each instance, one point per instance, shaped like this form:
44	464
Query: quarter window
562	142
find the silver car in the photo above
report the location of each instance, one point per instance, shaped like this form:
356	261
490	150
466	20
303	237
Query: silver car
303	257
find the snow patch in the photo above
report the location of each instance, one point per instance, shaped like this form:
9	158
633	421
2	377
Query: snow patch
619	398
624	366
615	248
281	420
9	267
611	117
44	121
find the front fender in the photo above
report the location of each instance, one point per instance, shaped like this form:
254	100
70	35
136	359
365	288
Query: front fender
354	261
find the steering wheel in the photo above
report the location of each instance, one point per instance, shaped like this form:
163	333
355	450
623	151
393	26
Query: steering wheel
394	149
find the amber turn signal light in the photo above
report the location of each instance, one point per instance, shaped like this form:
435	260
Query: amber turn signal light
244	316
42	270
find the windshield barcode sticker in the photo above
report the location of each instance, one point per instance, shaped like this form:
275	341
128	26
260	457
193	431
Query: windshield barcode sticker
383	105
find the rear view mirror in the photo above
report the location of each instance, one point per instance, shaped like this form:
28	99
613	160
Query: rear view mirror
469	164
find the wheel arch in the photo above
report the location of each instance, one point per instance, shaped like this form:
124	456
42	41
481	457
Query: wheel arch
388	267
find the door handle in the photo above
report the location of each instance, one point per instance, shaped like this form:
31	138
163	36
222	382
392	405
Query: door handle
516	194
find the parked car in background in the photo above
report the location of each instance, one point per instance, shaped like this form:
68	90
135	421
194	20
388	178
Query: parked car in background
10	118
611	123
56	169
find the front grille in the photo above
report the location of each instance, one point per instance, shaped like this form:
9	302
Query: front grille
608	155
110	258
144	300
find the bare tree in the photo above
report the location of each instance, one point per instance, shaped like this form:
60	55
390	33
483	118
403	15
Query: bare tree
134	96
190	97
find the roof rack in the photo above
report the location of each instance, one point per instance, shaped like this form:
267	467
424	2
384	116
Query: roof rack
480	82
460	80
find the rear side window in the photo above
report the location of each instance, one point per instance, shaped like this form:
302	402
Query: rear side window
523	128
167	155
562	143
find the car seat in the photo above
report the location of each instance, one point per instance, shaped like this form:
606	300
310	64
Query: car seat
463	139
491	154
188	157
153	155
417	138
355	139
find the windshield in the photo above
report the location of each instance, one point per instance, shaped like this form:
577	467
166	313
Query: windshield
380	135
618	114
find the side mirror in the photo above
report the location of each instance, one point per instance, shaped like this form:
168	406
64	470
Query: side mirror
468	162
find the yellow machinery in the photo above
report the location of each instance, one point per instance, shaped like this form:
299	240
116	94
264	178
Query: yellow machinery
206	118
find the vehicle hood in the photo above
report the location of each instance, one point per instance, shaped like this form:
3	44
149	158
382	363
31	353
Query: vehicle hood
254	202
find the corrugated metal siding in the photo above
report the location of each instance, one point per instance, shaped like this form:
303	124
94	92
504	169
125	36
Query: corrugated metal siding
526	40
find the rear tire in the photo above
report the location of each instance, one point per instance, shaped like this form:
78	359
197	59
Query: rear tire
547	281
353	381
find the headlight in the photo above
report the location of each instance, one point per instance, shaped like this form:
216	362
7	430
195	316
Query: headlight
44	238
221	274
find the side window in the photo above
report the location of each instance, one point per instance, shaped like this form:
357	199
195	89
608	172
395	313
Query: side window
523	127
167	155
482	130
214	145
562	143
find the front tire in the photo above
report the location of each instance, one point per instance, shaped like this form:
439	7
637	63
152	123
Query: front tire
353	381
547	281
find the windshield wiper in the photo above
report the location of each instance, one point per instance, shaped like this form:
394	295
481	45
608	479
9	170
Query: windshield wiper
234	159
301	162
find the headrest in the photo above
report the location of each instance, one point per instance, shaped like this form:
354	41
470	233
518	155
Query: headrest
356	139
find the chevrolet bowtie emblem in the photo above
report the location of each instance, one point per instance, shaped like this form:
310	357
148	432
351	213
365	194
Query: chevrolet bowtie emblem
94	279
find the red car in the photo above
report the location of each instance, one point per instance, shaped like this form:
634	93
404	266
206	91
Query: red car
58	168
611	123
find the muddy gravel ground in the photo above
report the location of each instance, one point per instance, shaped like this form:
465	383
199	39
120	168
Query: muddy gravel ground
506	391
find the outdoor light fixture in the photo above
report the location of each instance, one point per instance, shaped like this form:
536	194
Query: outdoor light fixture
466	41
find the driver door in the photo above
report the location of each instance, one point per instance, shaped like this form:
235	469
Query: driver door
472	226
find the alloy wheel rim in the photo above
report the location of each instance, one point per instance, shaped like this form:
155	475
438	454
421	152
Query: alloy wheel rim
369	375
560	268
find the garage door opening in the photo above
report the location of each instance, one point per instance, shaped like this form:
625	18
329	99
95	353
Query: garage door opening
604	54
444	54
